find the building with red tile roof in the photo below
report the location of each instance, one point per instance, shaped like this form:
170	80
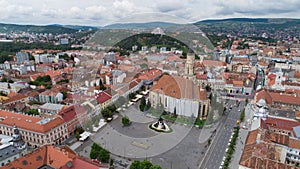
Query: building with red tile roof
214	63
18	98
279	99
104	99
72	117
149	76
266	149
49	156
35	130
281	125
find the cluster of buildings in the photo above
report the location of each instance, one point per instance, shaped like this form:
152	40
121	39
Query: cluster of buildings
54	38
83	83
269	76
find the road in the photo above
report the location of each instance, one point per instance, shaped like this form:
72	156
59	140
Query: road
217	150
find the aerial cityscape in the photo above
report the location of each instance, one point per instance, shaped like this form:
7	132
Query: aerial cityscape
128	84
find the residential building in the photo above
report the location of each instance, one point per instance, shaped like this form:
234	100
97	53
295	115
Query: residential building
22	57
44	58
72	116
11	87
50	96
279	99
149	76
50	108
50	157
275	144
104	99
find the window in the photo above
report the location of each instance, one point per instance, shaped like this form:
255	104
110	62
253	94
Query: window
166	105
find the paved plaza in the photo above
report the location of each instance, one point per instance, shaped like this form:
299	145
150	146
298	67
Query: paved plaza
184	146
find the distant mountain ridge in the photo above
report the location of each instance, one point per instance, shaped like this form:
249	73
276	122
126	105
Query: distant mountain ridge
147	25
253	20
60	29
7	28
235	20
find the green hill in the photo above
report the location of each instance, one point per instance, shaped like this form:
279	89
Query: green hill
54	29
149	39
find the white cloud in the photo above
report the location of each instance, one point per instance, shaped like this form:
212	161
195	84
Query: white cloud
96	12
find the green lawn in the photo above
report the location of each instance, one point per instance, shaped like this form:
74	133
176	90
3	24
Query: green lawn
182	120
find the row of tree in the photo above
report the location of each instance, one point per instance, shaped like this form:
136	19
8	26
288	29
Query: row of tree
145	164
108	111
99	153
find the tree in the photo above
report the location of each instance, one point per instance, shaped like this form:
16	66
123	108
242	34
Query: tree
94	154
77	135
125	121
208	88
242	116
111	162
112	108
32	112
155	167
145	164
64	94
48	86
143	88
102	87
103	155
131	96
106	113
98	152
135	165
143	103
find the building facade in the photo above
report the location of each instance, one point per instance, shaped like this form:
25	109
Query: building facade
35	131
179	96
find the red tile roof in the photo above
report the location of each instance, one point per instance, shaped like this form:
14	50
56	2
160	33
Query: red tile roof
14	98
27	122
82	163
213	63
102	97
71	112
56	157
178	87
259	151
281	123
151	74
278	97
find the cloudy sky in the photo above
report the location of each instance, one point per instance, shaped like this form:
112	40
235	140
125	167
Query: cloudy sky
103	12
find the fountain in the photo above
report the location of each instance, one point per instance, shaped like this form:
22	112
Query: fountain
160	126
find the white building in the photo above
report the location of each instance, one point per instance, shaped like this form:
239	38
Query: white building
181	96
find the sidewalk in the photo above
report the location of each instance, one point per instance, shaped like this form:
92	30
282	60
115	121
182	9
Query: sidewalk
240	143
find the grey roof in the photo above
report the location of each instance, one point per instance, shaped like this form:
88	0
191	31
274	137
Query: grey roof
297	131
51	106
8	151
